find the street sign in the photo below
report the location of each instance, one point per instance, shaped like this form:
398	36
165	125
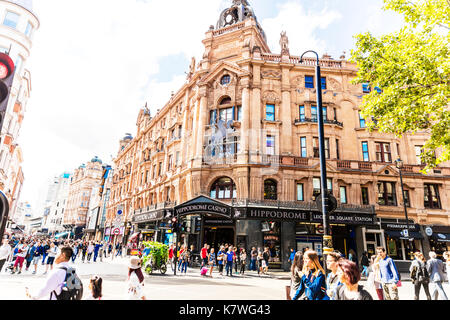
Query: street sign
116	231
429	231
331	205
405	233
119	212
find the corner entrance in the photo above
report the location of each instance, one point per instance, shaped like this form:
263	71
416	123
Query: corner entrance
216	236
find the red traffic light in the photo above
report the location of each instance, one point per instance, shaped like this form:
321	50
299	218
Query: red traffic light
6	66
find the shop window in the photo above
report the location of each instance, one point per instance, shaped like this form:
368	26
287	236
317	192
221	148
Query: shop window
223	188
270	190
272	239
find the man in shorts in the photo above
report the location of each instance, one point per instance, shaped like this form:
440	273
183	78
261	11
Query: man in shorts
37	255
204	255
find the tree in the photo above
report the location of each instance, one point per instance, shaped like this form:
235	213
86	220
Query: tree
412	69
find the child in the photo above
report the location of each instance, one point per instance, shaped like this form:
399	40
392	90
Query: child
95	288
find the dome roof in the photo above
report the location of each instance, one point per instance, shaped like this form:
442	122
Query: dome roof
96	159
27	4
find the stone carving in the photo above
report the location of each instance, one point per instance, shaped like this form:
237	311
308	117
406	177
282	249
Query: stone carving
271	74
334	85
284	43
271	97
191	68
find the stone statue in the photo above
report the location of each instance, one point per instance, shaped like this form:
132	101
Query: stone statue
284	43
191	68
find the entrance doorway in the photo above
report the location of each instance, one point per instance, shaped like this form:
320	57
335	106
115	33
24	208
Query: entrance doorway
216	236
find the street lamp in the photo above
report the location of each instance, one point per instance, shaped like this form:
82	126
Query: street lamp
327	240
399	165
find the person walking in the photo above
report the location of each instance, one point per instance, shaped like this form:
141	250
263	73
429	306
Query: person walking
436	269
296	268
365	263
22	250
180	257
101	251
291	256
171	255
236	259
5	253
184	260
30	254
260	259
37	255
84	249
95	288
211	261
75	249
229	266
352	255
243	260
313	284
349	276
419	275
90	250
221	256
253	259
45	248
333	278
265	261
374	278
389	275
204	255
135	281
57	277
52	252
97	247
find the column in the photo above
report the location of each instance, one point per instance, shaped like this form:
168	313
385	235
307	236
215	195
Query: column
201	119
285	115
245	124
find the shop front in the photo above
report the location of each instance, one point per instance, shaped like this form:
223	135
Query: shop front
283	229
439	238
145	225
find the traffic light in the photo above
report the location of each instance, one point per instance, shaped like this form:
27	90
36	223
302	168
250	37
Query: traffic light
7	70
4	210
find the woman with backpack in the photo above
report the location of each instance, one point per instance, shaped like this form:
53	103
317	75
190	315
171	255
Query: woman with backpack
419	275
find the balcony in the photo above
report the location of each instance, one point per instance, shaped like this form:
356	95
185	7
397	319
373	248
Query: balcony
219	160
326	121
161	205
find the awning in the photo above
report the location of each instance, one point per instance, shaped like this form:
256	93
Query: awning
63	234
399	234
442	237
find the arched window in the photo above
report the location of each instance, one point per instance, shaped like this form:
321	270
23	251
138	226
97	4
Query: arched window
225	100
225	80
223	188
270	190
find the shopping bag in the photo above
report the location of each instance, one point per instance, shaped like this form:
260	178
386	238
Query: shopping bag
399	284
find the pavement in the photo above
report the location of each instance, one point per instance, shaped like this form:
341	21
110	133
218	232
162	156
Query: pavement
189	286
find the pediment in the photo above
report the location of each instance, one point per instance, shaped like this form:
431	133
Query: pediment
330	168
388	170
220	68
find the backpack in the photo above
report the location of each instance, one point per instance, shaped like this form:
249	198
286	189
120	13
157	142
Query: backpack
72	288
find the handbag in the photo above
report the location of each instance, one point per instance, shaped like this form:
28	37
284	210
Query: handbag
399	283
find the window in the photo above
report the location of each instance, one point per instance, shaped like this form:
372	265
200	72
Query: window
365	195
366	87
317	150
300	192
386	194
18	64
177	158
418	150
302	113
335	114
28	30
225	80
303	151
337	149
225	100
324	110
212	117
226	114
169	166
309	82
223	188
313	113
270	145
316	186
383	151
431	196
362	121
160	169
270	112
365	151
323	82
343	194
239	113
11	19
407	201
270	190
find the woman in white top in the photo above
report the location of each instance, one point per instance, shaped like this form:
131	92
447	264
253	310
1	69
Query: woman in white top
135	283
52	252
90	250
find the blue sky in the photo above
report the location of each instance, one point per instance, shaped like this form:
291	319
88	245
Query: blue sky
94	64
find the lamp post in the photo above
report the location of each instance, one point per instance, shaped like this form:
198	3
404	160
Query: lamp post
399	165
327	239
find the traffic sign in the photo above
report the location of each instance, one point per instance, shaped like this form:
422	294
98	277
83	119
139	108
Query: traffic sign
331	205
405	233
116	231
429	231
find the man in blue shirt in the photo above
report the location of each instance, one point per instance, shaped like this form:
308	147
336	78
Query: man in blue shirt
389	275
292	256
229	267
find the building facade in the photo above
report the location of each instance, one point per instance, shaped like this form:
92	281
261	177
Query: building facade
84	179
234	155
17	27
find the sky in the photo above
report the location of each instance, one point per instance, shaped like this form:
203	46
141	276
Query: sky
95	64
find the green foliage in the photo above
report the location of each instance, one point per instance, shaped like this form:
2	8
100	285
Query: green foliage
159	253
412	67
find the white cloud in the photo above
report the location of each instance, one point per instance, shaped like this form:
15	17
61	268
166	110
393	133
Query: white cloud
301	25
92	65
